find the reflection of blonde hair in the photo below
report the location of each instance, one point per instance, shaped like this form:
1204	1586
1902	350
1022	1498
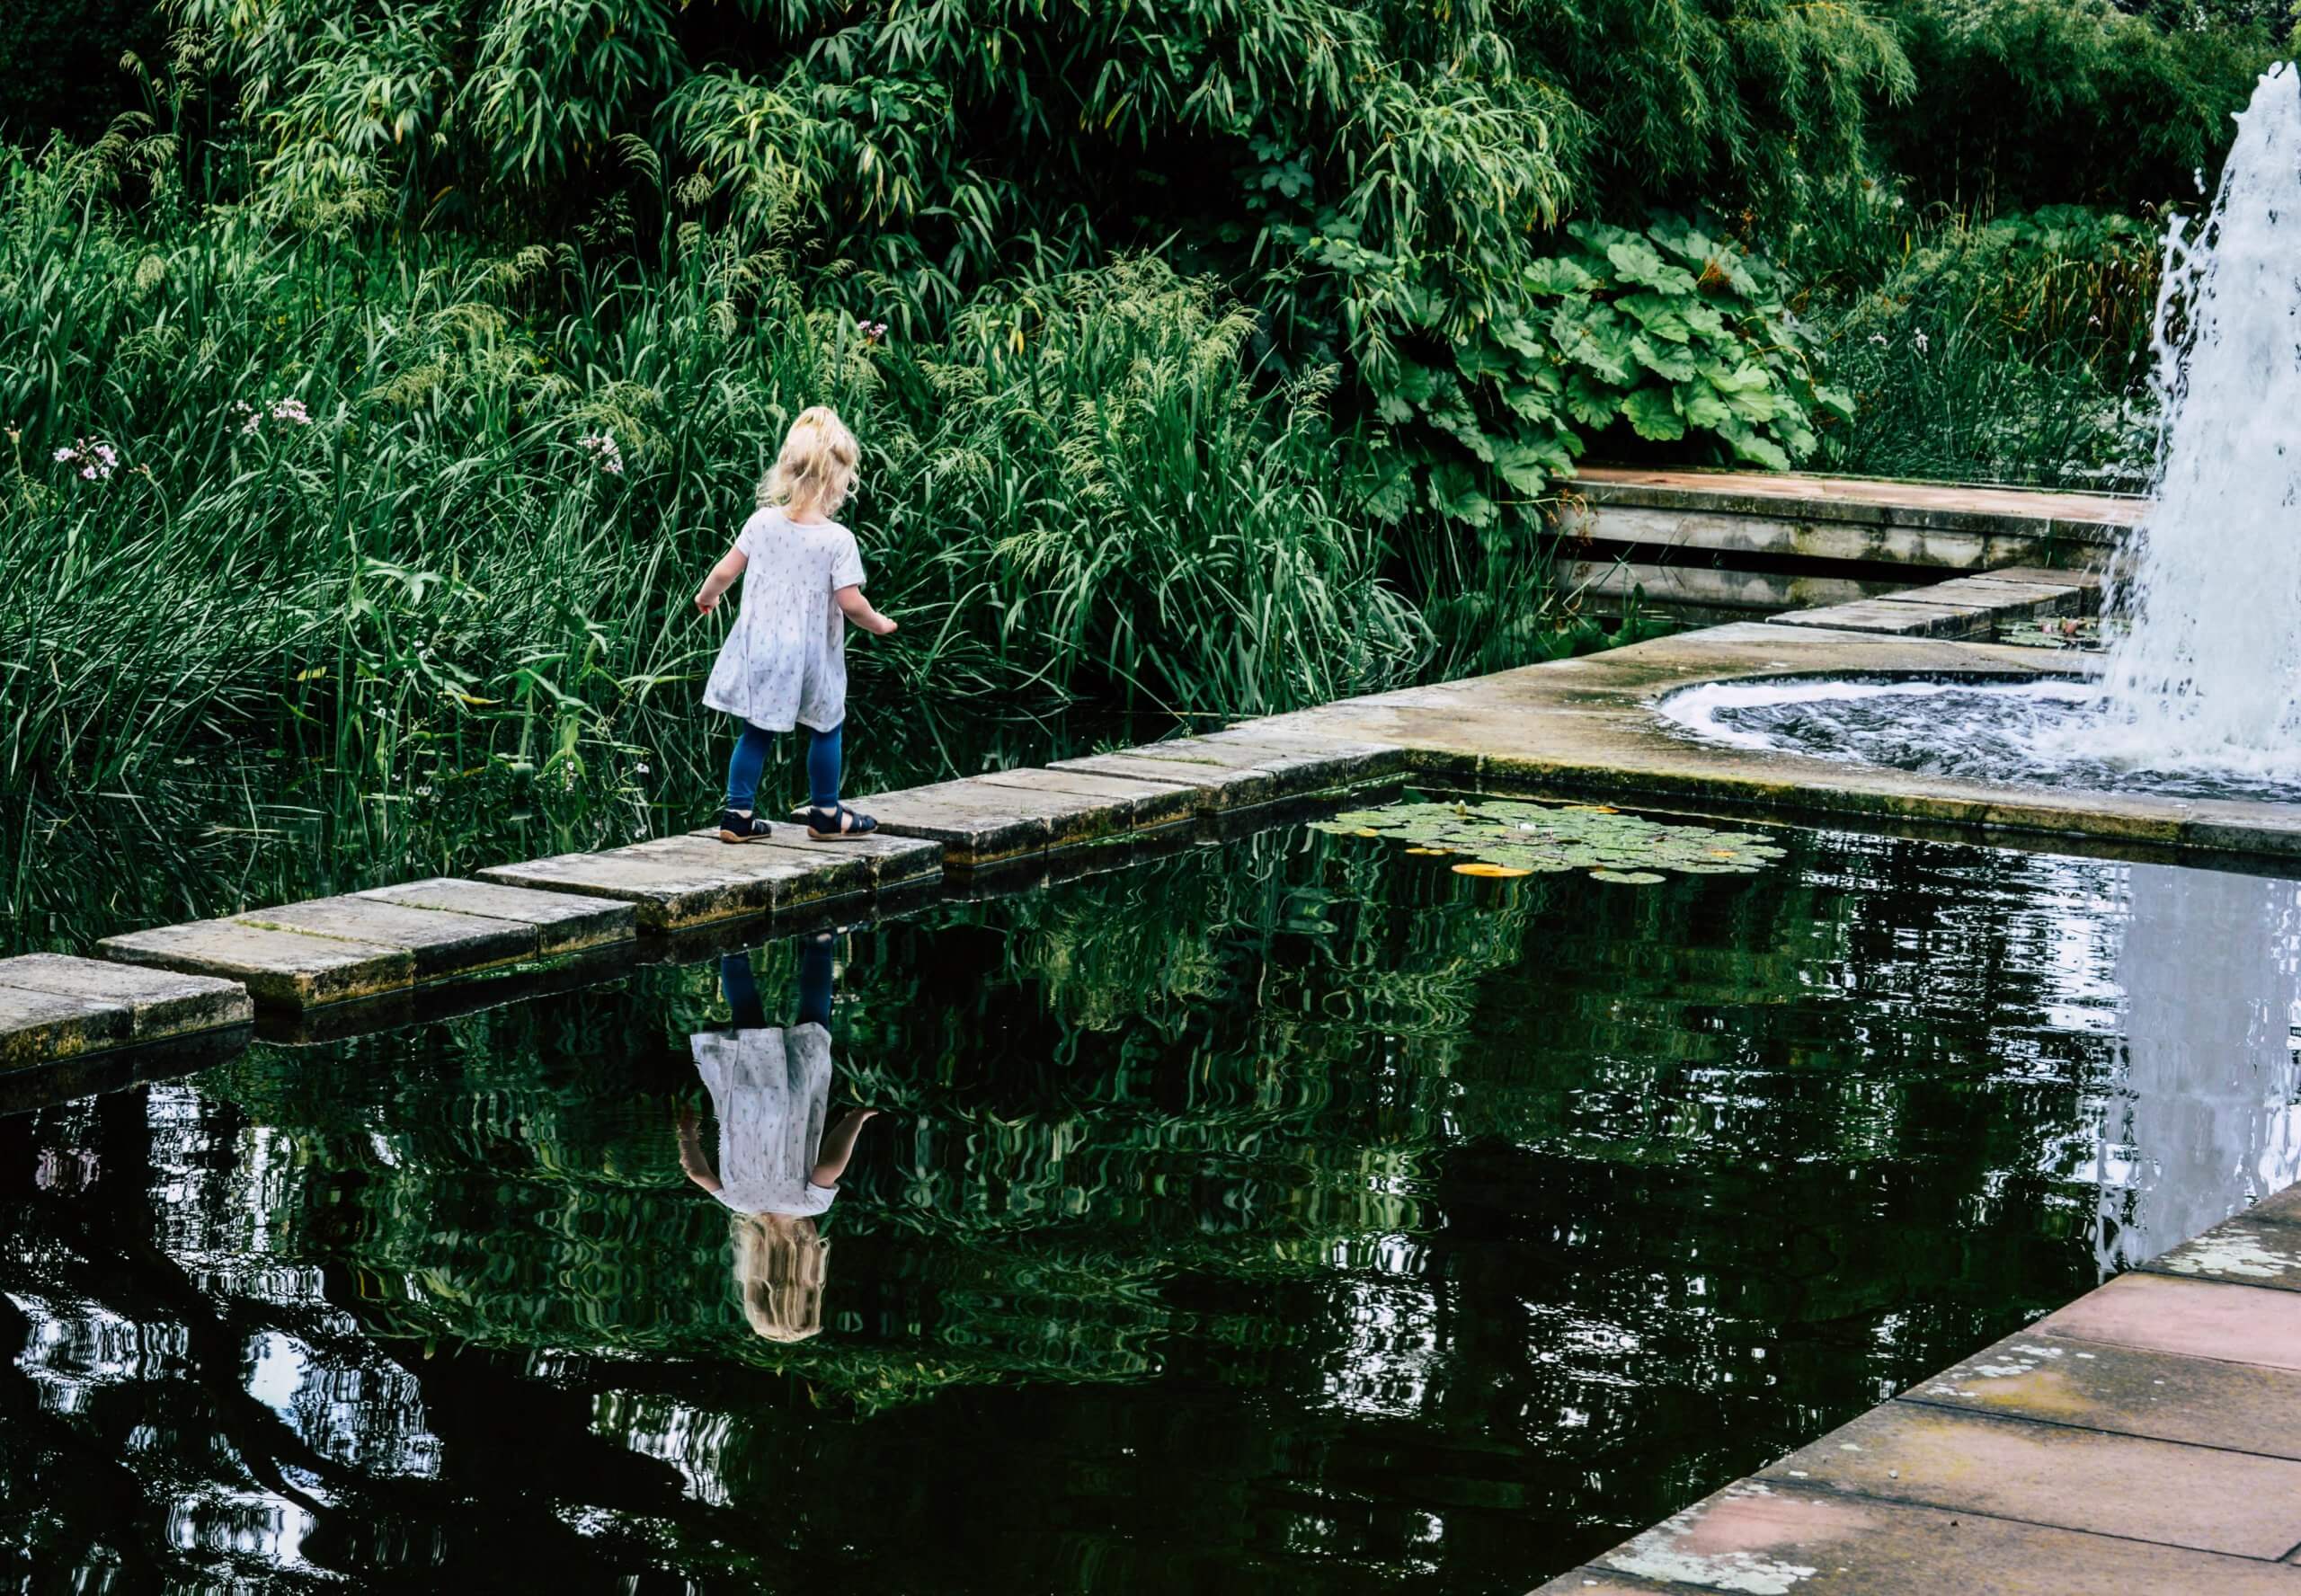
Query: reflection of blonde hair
780	1273
817	468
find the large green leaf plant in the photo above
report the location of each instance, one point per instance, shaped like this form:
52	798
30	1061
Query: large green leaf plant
1673	332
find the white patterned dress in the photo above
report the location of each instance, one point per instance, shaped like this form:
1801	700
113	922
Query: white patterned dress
770	1090
784	661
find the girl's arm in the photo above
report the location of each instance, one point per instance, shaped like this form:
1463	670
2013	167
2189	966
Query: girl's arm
859	610
723	577
691	1157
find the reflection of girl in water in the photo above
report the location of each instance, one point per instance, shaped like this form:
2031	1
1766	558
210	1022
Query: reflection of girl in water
771	1091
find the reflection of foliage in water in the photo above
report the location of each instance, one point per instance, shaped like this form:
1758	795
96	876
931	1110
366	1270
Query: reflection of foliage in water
1301	1151
1498	837
1038	1231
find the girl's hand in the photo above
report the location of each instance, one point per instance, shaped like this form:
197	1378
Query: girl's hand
705	601
884	627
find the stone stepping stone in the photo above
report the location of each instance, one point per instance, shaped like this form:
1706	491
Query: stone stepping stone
895	860
1140	805
53	1006
978	822
676	882
290	969
334	950
564	923
1242	766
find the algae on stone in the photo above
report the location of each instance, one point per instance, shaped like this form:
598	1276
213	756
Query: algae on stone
1506	838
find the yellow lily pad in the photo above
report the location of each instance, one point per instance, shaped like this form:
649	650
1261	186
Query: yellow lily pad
1493	872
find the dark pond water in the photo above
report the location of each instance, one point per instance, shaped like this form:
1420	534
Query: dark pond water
1294	1216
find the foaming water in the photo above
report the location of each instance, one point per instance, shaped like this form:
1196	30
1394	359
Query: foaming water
2209	672
2047	732
2201	697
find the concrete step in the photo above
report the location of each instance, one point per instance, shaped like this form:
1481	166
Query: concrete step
1967	607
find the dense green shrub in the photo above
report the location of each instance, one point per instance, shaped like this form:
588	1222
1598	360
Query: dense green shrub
1377	180
60	65
2029	103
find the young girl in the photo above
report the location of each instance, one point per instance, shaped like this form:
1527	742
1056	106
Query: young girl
785	661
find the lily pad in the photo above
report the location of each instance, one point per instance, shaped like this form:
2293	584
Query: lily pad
1509	837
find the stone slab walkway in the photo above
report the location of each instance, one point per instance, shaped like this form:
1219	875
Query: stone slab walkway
2146	1438
334	950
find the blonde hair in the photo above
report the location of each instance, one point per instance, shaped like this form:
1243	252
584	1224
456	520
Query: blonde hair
779	1274
817	469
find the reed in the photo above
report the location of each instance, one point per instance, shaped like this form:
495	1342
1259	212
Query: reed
425	519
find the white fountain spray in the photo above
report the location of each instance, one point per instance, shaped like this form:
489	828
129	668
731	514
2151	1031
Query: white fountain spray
2209	673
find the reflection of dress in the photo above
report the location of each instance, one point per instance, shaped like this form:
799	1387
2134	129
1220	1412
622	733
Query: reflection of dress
770	1090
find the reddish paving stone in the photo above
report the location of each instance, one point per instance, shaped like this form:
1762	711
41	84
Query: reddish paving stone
2126	1391
2245	1251
2285	1207
2209	1500
2193	1318
1776	1540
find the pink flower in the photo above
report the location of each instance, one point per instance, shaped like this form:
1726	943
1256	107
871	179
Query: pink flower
602	448
93	459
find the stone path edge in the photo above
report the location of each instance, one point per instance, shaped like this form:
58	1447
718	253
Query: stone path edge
1589	728
2141	1438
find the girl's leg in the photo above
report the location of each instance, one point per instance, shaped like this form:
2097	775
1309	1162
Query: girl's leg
814	982
744	766
822	767
742	986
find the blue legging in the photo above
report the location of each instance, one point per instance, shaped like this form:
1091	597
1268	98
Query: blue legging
750	758
742	986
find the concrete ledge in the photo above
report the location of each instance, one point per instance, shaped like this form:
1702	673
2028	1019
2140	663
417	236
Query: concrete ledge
1586	728
2016	513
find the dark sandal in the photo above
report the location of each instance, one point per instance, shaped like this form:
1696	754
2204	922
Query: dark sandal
743	827
844	823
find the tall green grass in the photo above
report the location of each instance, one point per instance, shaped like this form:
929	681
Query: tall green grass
2015	349
355	529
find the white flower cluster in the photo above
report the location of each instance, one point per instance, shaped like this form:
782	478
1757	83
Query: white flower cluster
603	448
872	332
290	411
92	457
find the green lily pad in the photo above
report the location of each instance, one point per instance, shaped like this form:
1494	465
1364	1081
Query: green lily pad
1513	835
